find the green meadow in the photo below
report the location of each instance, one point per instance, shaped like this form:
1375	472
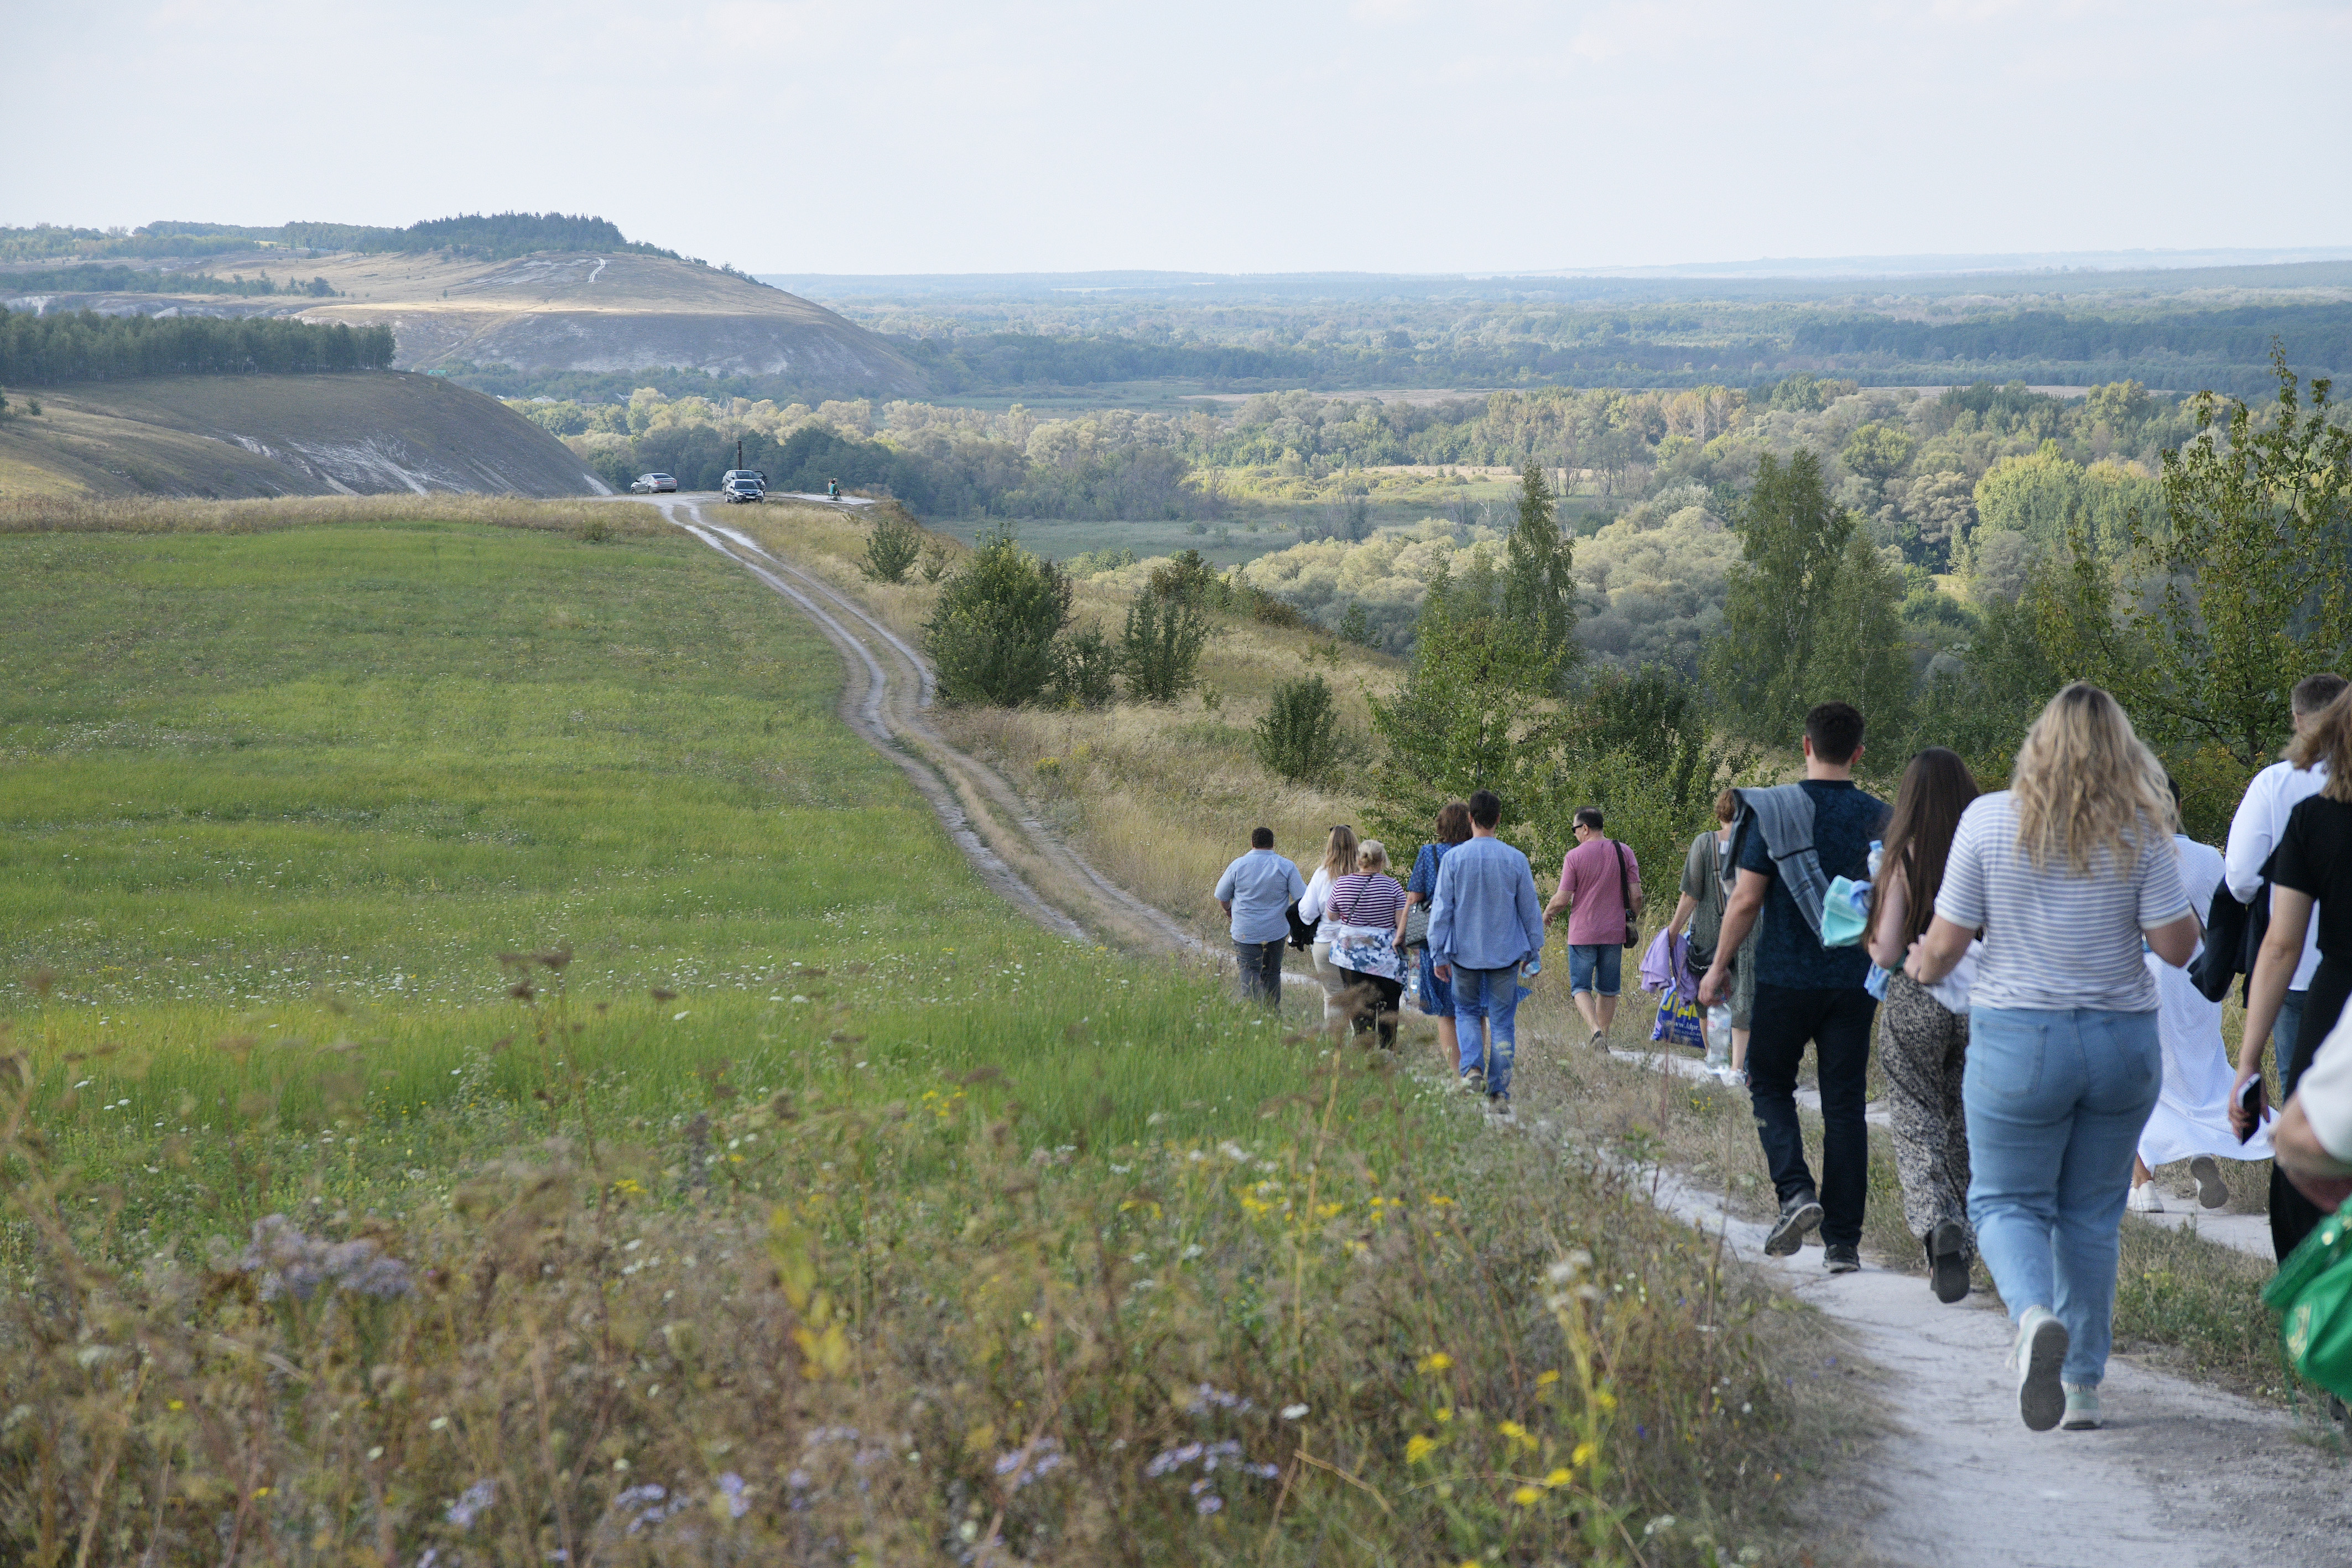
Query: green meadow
495	1069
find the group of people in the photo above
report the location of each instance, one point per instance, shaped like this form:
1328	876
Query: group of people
2042	1049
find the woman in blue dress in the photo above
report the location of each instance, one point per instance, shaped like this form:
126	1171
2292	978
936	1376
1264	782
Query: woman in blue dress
1436	995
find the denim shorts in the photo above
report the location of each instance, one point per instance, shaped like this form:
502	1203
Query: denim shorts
1595	967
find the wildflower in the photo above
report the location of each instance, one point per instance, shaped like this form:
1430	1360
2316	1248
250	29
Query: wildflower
1663	1522
1545	1379
1418	1447
731	1486
472	1503
1583	1455
1293	1412
1527	1496
1437	1361
1558	1479
1606	1400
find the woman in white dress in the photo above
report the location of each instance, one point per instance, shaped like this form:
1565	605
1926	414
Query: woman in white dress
2192	1119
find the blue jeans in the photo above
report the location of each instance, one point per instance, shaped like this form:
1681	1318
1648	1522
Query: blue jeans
1492	995
2055	1102
1595	967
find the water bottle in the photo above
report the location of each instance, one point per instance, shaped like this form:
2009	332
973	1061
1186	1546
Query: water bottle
1878	853
1719	1024
1532	967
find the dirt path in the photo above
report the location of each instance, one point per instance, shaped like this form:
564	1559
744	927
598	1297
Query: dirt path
2182	1477
889	688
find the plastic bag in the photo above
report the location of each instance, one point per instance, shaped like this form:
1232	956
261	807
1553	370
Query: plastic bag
1679	1019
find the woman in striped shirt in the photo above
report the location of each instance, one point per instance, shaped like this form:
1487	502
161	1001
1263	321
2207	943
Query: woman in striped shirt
2067	871
1369	907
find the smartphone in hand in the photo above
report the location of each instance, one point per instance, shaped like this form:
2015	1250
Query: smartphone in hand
2249	1100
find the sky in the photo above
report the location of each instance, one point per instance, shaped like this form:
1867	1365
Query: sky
941	136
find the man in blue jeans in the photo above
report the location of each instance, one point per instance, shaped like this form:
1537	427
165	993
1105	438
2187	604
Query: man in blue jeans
1805	991
1483	923
1256	892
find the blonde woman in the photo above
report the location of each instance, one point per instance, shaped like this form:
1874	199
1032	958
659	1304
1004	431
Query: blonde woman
1369	906
1338	860
2066	871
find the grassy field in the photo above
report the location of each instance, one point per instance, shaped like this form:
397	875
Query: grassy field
495	1070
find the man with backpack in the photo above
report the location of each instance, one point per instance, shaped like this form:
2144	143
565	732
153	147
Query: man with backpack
1601	890
1788	843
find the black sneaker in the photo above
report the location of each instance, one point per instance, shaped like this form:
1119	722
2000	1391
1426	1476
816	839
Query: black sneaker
1948	1260
1798	1215
1498	1107
1840	1257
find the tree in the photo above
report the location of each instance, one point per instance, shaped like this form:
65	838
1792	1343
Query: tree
994	636
1298	737
1539	573
892	547
2246	573
1089	669
1779	594
1160	650
1860	653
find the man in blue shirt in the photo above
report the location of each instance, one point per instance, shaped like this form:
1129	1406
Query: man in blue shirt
1256	893
1805	991
1483	923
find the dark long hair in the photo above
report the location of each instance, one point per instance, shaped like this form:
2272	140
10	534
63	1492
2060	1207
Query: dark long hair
1936	787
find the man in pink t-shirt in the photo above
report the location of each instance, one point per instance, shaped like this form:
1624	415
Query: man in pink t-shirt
1597	900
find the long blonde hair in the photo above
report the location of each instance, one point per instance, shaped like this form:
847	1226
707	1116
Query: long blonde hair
1339	853
2327	738
2084	781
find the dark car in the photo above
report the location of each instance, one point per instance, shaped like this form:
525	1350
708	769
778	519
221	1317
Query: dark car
751	473
652	484
744	487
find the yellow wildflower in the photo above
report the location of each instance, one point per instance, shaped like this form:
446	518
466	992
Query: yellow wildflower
1527	1496
1606	1400
1418	1447
1583	1455
1437	1361
1545	1379
1558	1479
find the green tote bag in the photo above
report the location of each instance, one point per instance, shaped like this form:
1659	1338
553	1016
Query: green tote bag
2312	1293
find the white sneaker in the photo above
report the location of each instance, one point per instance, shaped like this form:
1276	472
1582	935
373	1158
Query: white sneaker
1731	1077
2145	1199
2038	1355
2082	1407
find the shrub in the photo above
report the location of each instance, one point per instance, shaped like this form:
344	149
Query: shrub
935	561
1090	674
995	635
1159	651
894	545
1298	739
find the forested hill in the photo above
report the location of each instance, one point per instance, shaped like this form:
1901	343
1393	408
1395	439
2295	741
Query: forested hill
489	236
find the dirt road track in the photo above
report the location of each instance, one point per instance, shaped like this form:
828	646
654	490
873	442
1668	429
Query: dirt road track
889	688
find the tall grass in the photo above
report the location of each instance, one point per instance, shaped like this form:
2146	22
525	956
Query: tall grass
499	1072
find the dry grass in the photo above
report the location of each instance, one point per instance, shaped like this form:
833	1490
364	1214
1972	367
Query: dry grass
1160	797
162	514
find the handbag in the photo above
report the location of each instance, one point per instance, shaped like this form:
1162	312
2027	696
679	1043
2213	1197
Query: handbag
1302	933
2312	1293
1416	927
1626	896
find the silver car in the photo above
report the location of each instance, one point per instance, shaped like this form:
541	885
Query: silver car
653	483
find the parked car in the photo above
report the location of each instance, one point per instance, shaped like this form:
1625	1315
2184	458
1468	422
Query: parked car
653	483
752	474
743	488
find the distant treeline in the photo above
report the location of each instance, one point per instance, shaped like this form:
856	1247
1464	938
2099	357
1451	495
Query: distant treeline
43	350
94	278
2184	351
493	236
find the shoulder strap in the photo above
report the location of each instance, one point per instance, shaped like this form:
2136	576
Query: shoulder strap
1625	889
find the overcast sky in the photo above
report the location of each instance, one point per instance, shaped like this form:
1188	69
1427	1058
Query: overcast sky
1276	135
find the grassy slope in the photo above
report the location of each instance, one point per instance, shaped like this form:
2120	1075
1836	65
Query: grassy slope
277	802
177	435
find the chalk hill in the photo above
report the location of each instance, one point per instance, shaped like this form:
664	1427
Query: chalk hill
355	433
552	310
